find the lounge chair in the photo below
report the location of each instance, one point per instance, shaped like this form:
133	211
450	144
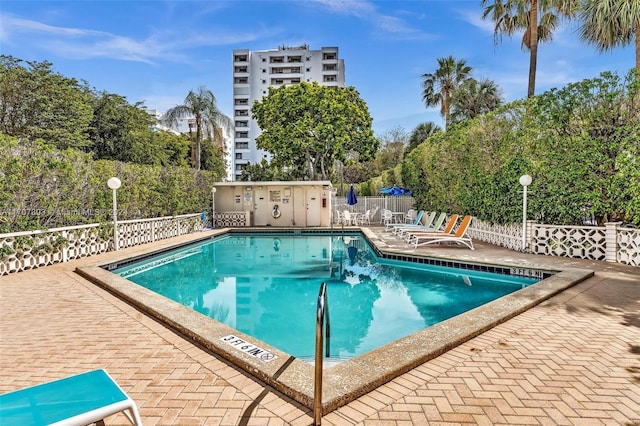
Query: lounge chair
448	229
425	222
459	237
76	400
429	226
390	226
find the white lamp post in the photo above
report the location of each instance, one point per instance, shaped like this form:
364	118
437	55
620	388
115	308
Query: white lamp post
213	207
114	183
525	180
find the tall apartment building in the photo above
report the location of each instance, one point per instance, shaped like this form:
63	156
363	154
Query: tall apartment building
255	71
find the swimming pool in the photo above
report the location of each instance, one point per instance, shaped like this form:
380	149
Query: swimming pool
347	380
266	286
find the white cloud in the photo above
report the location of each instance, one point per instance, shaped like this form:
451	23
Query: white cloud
474	18
79	43
384	23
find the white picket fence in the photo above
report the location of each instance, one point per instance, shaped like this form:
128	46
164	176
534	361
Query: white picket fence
375	204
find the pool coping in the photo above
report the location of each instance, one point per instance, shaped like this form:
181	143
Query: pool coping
348	380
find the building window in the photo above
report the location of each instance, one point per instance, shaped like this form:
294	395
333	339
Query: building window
329	78
242	134
239	156
240	58
328	56
241	102
240	69
277	59
242	124
242	113
241	80
242	145
329	67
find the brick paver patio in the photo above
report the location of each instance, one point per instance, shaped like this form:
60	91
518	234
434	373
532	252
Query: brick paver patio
574	359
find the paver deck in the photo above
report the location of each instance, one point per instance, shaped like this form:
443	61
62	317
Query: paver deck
574	359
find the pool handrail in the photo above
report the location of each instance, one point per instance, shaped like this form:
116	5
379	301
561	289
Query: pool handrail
321	313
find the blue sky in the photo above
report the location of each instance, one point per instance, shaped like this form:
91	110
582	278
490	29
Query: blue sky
156	51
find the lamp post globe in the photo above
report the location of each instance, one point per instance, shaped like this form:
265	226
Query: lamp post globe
525	180
114	183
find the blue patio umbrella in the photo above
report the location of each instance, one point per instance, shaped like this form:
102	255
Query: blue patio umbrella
351	197
395	191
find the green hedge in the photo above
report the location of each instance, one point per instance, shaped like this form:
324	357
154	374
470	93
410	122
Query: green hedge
581	145
41	187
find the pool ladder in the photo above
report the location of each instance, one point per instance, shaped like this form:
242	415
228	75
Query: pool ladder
321	313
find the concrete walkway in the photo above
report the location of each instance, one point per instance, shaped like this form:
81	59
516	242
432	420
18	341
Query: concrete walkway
574	359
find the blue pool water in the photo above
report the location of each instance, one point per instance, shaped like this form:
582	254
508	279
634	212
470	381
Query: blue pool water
267	287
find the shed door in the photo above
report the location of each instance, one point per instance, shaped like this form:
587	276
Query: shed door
261	208
313	206
299	206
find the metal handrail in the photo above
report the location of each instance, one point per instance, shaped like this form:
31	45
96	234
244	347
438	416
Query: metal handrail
321	313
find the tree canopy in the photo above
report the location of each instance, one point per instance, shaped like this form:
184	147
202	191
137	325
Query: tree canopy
38	104
611	23
307	127
580	143
537	19
473	98
208	119
420	134
439	86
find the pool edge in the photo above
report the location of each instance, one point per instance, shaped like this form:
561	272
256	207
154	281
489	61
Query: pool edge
348	380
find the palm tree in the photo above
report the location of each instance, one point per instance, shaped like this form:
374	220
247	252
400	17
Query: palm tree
420	134
439	86
200	105
510	16
474	98
609	23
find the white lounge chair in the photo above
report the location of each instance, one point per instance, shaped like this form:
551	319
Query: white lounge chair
72	401
425	225
435	227
448	229
441	237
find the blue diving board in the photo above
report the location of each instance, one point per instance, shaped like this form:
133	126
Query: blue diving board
77	400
